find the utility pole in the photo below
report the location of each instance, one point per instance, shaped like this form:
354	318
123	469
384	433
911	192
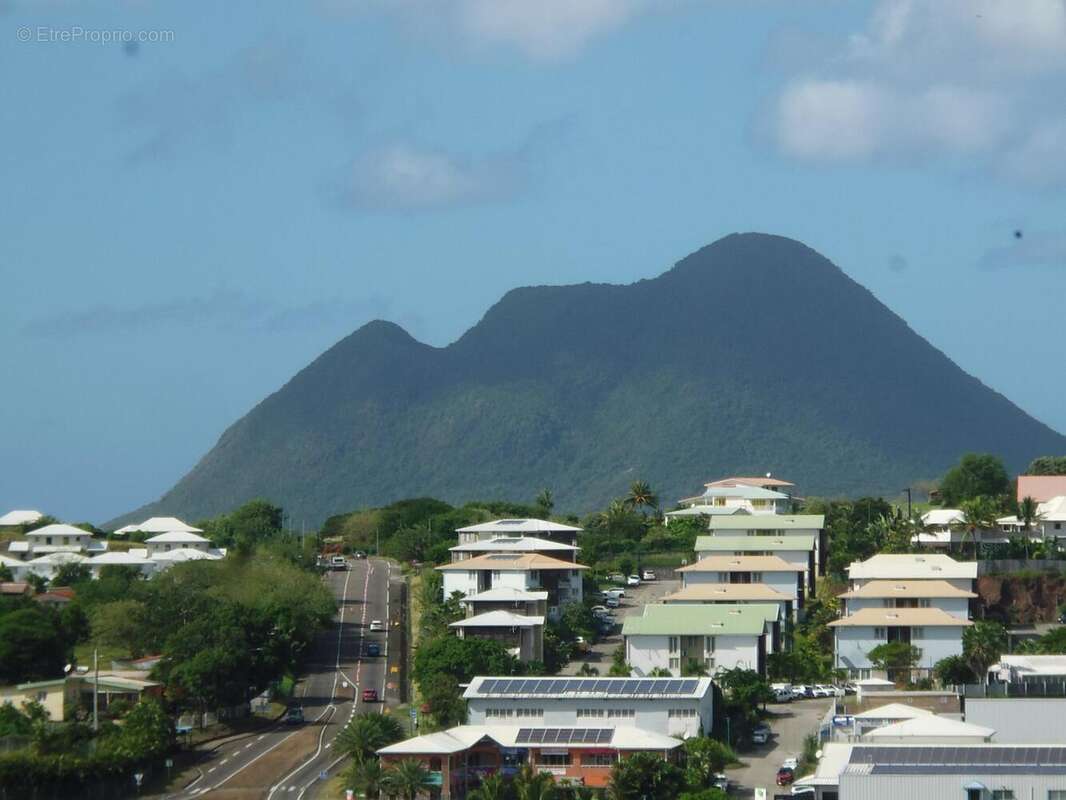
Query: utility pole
908	491
96	690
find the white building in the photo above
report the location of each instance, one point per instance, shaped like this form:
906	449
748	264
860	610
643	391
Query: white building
159	525
135	559
19	516
1028	669
176	540
931	729
797	549
908	594
741	497
913	566
514	544
778	574
525	572
715	637
733	593
57	538
47	566
936	633
521	635
513	528
680	707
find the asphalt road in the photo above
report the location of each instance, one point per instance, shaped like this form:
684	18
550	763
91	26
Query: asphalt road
286	761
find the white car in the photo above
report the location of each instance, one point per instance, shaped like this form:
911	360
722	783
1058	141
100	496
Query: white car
647	575
599	611
376	625
790	763
616	577
633	580
615	593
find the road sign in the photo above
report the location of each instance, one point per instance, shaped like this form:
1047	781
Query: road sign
414	713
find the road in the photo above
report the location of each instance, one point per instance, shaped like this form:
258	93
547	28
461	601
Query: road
286	761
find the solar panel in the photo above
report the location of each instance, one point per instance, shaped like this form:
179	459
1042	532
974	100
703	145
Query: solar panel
629	687
488	686
689	686
599	686
605	736
571	686
644	687
672	687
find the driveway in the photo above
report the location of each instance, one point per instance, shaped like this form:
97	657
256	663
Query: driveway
599	657
790	723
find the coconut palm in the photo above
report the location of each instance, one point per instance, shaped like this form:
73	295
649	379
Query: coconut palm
545	502
1028	512
368	733
980	514
982	645
492	788
530	785
641	495
366	776
406	778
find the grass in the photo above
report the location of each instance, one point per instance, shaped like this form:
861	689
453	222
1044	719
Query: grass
83	655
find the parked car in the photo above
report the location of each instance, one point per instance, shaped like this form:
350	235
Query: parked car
850	688
647	575
294	716
370	695
612	602
804	691
790	763
761	734
599	611
633	580
373	649
721	781
580	644
785	776
821	690
615	592
782	694
616	577
376	625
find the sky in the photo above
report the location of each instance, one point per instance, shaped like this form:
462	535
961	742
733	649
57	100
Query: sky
198	199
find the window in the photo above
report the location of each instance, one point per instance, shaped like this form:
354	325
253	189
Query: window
675	713
499	712
589	712
599	759
756	577
42	696
708	644
1002	794
529	712
673	644
554	759
719	501
923	602
758	504
917	633
675	663
879	633
621	713
1056	794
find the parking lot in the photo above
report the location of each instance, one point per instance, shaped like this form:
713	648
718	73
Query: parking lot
599	655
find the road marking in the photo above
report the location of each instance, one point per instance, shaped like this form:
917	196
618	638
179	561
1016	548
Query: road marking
261	738
211	770
223	762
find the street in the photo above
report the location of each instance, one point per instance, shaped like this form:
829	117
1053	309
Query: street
288	760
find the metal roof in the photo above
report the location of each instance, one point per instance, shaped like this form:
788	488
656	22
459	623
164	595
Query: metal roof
768	522
588	687
700	619
944	759
791	541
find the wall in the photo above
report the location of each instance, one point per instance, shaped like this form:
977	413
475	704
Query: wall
853	643
644	653
1019	720
784	582
958	607
948	786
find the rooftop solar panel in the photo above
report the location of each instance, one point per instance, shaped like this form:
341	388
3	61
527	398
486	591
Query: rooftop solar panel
644	687
672	687
629	687
689	686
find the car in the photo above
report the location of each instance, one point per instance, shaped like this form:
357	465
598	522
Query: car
633	580
370	695
647	575
373	649
721	781
359	554
790	763
599	611
821	690
804	691
760	737
785	776
612	602
376	626
782	694
615	593
616	577
580	644
294	716
850	688
338	562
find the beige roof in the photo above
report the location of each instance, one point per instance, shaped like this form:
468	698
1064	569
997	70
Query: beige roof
726	592
741	564
932	588
506	561
908	566
765	481
887	617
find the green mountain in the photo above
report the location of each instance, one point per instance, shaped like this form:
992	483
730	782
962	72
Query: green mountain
753	354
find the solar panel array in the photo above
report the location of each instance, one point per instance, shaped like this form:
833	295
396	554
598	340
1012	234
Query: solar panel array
961	759
617	687
564	736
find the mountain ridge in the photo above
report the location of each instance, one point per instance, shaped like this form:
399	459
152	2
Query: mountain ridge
751	353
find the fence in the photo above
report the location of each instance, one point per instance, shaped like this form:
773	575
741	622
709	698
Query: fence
1002	566
1027	688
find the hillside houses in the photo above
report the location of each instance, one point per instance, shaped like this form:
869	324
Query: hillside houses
772	571
738	495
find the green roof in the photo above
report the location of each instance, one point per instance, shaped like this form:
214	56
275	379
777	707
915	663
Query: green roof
767	522
788	541
721	619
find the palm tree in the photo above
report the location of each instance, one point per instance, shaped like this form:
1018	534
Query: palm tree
530	785
368	733
982	645
660	672
406	778
641	495
366	775
492	788
693	669
545	502
1028	512
980	514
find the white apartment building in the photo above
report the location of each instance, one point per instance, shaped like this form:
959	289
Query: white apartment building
679	707
914	567
881	594
799	549
714	636
527	572
514	544
771	570
514	528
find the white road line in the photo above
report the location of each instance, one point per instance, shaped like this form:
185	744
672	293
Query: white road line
260	738
211	770
223	762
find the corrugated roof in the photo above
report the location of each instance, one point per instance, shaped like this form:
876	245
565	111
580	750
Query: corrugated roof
590	688
889	617
919	588
505	561
929	726
177	537
744	492
793	541
764	481
714	619
741	564
58	529
463	737
894	711
20	516
505	594
517	544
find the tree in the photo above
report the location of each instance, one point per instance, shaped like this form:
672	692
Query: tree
441	693
6	576
976	475
704	794
660	672
366	776
641	496
532	785
71	574
1027	512
619	667
704	758
980	513
492	788
693	669
545	502
982	645
406	778
121	623
147	731
463	659
895	657
746	687
31	646
367	733
644	776
1047	465
953	671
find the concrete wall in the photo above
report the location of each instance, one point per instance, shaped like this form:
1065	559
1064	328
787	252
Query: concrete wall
645	653
784	582
956	606
1019	720
947	786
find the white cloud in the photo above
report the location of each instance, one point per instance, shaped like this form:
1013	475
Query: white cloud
961	81
401	177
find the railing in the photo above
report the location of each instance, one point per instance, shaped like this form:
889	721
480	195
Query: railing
1026	688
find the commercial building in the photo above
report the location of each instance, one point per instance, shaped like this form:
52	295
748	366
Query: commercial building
459	758
680	707
714	636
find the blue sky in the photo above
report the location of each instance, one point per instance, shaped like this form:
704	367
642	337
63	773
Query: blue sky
187	222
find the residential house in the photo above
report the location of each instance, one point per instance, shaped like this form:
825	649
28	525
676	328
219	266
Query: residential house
57	597
713	637
771	570
514	544
1041	487
176	540
798	549
733	593
908	594
741	498
515	528
523	571
61	697
134	558
680	707
775	525
459	758
15	589
155	525
48	565
521	635
913	566
936	633
57	538
19	517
